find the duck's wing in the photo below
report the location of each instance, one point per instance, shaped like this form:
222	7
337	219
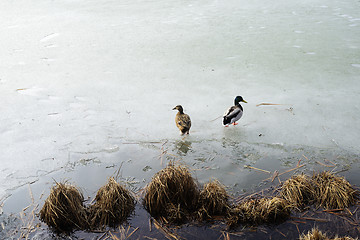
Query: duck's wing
232	112
232	115
184	121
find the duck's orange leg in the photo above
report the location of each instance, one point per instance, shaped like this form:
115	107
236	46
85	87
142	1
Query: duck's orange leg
235	123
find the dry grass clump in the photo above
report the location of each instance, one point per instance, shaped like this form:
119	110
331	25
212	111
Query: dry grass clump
63	209
344	238
316	234
172	186
244	213
274	210
175	214
259	211
333	192
298	190
114	203
213	200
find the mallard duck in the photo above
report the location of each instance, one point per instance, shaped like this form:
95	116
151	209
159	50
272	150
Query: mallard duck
182	120
234	113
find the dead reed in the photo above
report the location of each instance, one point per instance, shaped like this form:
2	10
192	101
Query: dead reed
259	211
172	186
213	200
316	234
298	191
333	192
175	214
344	238
63	209
113	205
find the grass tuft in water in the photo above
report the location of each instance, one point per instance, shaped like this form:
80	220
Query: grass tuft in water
316	234
63	210
298	190
213	201
259	211
333	192
172	193
114	203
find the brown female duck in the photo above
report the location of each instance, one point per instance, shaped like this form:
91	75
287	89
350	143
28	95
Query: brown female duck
182	120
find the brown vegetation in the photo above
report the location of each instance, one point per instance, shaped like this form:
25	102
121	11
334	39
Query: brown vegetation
259	211
173	196
333	192
114	203
213	200
63	209
298	190
172	192
316	234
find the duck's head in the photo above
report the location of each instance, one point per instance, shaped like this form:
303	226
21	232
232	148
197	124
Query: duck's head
239	99
179	108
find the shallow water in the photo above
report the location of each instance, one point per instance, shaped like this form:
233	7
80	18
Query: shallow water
88	86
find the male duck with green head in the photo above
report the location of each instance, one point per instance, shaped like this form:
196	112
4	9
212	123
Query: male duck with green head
234	113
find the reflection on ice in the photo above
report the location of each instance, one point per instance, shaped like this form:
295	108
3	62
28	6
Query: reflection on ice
183	147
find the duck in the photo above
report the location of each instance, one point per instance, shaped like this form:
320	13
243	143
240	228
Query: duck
234	113
182	120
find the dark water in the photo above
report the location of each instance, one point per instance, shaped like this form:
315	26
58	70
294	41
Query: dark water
232	163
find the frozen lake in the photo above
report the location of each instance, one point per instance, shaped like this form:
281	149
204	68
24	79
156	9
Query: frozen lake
90	85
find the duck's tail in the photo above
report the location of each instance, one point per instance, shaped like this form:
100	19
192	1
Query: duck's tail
226	120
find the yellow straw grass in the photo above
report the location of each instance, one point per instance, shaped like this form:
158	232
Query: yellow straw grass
259	211
171	189
213	200
63	210
316	234
114	203
298	190
333	192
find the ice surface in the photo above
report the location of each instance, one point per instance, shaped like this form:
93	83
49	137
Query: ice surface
78	79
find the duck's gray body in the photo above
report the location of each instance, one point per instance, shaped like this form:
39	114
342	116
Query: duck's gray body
232	115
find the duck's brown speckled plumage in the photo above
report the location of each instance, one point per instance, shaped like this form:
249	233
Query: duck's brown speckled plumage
182	120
